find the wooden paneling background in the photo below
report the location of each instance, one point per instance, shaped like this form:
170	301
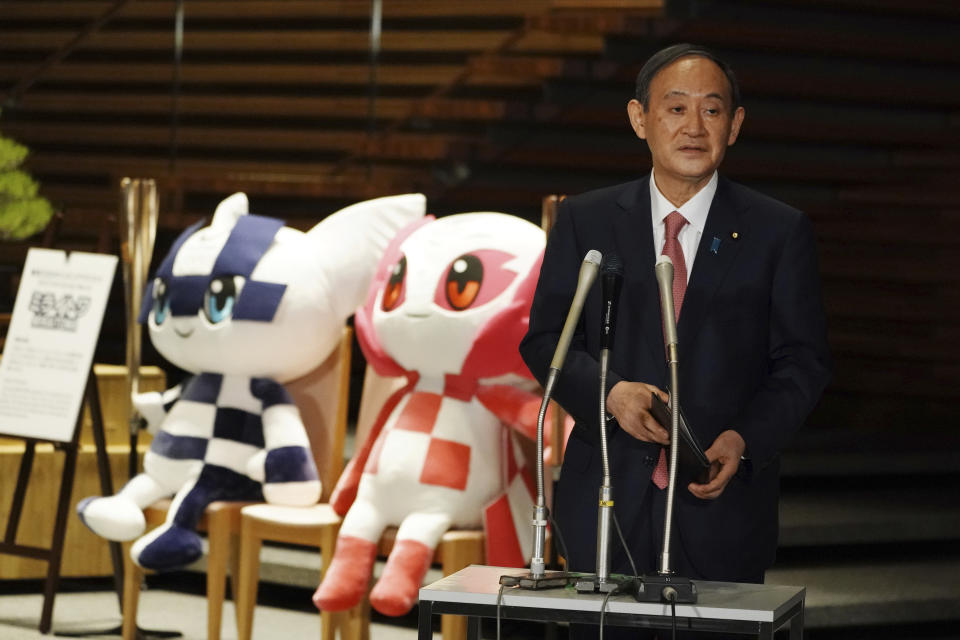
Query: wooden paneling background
853	114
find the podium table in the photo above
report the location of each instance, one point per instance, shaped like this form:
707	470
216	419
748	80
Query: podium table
722	607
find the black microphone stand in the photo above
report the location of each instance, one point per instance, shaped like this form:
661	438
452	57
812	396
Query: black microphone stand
603	581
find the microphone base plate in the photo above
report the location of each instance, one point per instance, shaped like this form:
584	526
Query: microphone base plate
549	580
618	584
651	588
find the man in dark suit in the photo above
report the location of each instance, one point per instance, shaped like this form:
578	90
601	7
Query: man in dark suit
752	338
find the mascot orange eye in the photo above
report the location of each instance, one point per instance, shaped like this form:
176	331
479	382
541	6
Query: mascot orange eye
463	281
393	293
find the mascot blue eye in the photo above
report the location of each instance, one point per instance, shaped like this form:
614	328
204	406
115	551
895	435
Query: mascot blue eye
161	302
219	299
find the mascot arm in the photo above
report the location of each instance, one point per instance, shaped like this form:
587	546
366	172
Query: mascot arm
518	409
155	405
346	490
285	467
290	476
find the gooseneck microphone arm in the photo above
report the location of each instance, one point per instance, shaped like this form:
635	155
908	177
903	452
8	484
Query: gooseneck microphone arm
664	271
540	512
664	585
588	274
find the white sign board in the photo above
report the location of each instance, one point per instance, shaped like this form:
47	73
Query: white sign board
50	343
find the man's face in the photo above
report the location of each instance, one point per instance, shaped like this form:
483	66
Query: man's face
690	121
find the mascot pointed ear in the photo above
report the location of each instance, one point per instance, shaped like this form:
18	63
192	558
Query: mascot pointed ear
230	210
348	245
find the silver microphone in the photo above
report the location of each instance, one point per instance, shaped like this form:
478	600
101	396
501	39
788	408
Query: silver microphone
664	270
588	274
664	585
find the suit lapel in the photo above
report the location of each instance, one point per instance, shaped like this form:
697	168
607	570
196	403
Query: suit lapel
716	253
634	244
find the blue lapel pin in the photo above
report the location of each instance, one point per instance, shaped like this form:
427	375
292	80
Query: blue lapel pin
715	245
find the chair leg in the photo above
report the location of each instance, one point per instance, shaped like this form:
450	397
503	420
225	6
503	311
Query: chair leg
234	566
354	624
460	549
245	594
364	621
453	627
132	579
218	536
329	621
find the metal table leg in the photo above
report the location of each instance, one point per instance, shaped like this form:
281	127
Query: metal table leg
473	627
426	620
796	624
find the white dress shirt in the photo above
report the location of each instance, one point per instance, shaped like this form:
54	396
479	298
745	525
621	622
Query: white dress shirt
695	210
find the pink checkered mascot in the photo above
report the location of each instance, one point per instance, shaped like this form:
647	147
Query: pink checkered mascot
447	308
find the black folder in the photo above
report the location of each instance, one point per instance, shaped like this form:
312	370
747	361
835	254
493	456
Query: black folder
693	463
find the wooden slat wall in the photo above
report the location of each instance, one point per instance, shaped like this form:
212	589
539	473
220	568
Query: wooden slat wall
326	9
847	118
277	89
853	115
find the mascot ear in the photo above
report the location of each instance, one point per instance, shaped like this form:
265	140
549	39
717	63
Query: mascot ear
230	210
348	245
367	336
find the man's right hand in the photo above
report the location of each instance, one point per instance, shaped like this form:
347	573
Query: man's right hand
629	403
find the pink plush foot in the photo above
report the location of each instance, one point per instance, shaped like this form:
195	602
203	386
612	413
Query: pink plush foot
396	591
345	582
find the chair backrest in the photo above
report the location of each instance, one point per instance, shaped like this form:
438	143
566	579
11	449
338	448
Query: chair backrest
556	438
548	211
376	390
322	397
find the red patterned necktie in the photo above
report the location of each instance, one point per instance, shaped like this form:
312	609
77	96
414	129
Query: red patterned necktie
671	247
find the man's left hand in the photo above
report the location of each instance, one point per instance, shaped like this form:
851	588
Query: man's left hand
724	456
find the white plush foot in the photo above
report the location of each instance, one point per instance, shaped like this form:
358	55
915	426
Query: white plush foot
114	518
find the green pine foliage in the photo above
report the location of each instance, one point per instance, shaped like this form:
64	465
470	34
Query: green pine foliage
22	211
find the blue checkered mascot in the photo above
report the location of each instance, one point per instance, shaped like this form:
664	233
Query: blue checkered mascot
244	304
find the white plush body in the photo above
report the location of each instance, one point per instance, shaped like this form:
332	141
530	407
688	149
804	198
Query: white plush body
395	495
245	304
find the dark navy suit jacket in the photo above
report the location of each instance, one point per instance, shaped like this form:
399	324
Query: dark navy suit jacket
752	350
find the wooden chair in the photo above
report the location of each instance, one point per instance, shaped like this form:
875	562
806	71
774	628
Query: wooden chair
326	418
317	394
221	521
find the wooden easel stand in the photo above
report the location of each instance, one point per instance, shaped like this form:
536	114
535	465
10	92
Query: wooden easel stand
54	554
